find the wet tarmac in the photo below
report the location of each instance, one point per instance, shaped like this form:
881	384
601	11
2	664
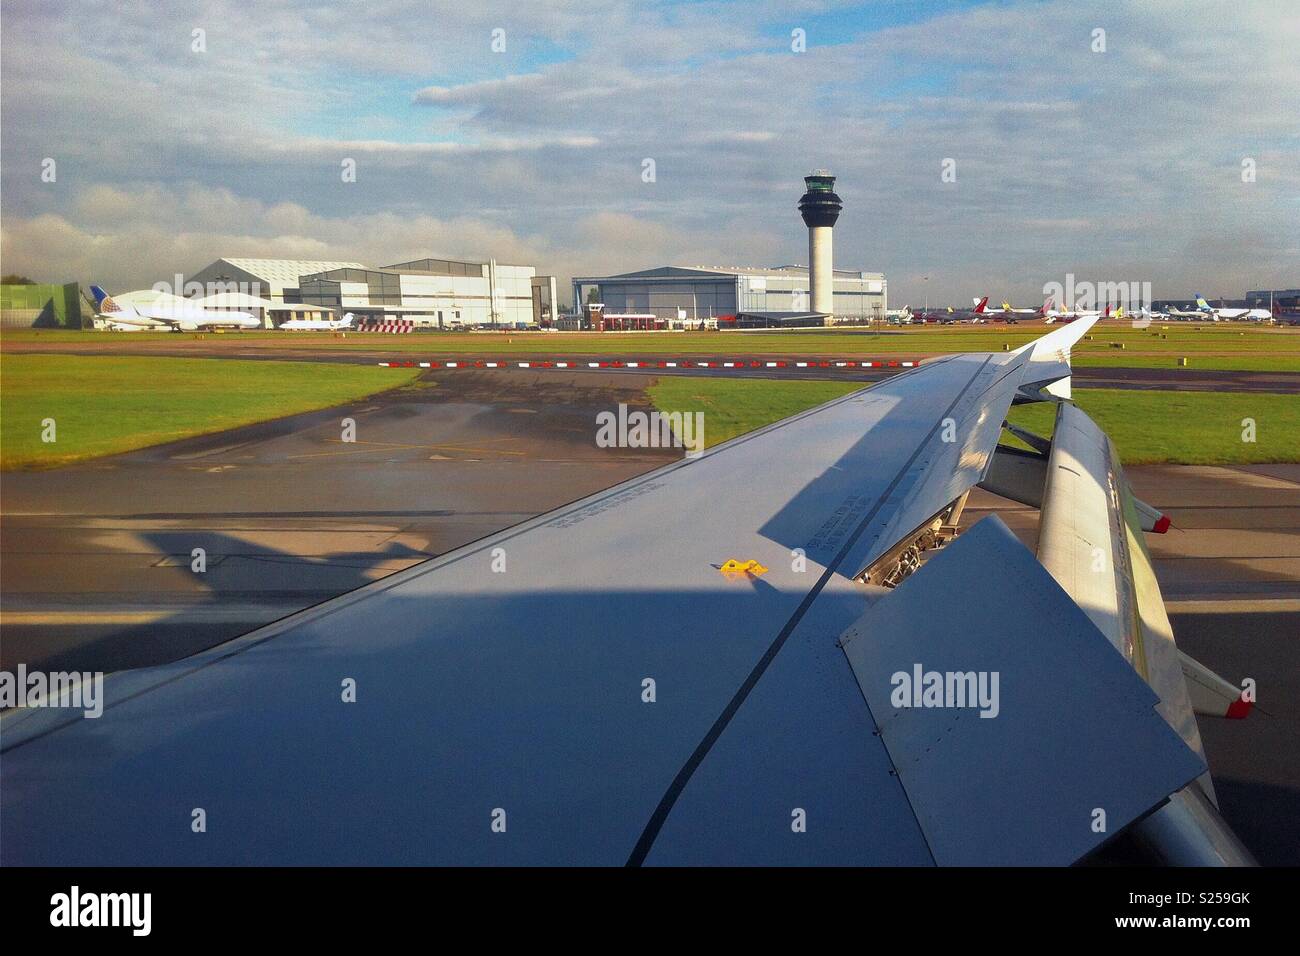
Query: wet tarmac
98	557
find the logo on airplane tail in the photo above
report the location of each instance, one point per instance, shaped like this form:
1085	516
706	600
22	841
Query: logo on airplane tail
103	301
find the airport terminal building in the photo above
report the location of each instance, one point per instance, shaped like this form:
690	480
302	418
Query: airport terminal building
439	293
701	293
428	293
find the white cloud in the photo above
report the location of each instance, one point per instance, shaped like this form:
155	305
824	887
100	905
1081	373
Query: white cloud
119	238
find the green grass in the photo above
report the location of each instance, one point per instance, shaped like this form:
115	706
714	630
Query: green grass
107	404
1218	363
1211	346
1184	428
1188	428
732	407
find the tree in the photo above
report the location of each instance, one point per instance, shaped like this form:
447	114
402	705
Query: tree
14	279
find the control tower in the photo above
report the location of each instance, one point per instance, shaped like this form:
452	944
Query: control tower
820	208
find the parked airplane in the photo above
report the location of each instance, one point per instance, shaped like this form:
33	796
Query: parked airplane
1007	309
978	313
1051	315
1254	315
319	325
176	314
1192	313
1146	313
568	713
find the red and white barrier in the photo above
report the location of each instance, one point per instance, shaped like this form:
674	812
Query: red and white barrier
742	365
394	327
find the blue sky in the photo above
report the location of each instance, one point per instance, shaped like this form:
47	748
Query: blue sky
1114	165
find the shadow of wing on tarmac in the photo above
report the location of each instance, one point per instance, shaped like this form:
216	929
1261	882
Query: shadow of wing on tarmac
1265	816
245	585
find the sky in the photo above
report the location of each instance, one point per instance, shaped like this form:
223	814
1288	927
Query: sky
1165	149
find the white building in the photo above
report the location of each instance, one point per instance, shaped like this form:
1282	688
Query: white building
274	279
710	292
438	293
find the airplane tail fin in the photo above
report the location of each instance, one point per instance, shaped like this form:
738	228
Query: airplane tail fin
1046	306
980	305
103	301
347	320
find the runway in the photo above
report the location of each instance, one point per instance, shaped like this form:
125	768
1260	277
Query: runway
98	558
754	365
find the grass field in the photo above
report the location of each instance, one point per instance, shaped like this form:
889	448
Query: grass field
109	403
732	407
106	404
1185	428
1191	428
1208	346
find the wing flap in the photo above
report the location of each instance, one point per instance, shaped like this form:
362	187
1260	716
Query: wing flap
1074	731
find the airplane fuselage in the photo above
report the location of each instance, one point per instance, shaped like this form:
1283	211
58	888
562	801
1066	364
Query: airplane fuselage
180	318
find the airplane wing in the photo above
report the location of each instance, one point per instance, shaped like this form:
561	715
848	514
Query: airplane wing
591	687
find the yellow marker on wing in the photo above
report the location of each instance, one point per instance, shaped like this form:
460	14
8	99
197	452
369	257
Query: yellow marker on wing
732	566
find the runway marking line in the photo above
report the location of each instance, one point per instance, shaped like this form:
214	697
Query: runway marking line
387	446
635	363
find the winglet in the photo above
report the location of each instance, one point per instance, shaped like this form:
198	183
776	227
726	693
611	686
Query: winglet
1048	371
1211	695
1055	345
